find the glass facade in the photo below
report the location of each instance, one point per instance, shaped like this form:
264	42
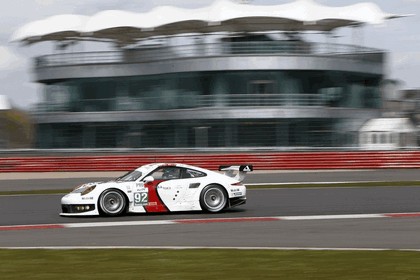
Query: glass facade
212	89
193	95
258	89
197	133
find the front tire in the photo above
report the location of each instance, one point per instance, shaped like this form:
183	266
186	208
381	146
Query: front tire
213	198
112	202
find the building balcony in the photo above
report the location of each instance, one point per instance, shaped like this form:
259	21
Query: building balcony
185	101
158	53
222	56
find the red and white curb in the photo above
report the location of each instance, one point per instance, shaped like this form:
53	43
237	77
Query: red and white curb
210	220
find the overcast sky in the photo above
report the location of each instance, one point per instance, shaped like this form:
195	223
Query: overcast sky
400	37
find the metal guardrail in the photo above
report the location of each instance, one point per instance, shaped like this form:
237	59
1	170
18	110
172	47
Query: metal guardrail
145	54
184	101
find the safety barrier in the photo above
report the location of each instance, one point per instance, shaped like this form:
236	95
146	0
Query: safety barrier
261	161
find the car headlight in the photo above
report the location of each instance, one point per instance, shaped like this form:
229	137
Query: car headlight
88	190
77	188
84	189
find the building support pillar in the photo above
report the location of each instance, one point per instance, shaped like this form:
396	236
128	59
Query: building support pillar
282	134
89	136
201	136
231	134
181	137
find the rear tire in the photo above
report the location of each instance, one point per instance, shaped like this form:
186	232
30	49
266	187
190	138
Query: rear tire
213	198
112	203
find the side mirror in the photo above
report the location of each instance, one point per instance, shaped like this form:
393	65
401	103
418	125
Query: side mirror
148	179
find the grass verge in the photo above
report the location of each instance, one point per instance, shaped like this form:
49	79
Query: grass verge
259	186
207	264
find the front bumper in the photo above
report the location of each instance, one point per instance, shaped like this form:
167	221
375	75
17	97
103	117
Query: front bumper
73	204
77	208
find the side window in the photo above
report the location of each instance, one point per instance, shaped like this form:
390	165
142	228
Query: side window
190	173
374	139
383	138
262	86
167	173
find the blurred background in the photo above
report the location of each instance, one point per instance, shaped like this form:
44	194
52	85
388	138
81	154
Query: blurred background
207	77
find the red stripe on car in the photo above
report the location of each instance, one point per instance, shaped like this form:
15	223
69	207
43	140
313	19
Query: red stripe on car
155	203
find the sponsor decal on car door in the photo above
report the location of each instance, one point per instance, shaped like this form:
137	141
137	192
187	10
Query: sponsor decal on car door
154	202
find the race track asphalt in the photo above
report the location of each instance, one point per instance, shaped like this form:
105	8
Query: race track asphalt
45	181
382	233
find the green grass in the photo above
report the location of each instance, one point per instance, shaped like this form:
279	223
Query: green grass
207	264
251	186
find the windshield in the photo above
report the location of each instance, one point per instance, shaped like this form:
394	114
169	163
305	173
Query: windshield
130	176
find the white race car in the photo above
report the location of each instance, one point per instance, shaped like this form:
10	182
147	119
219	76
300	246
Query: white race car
160	187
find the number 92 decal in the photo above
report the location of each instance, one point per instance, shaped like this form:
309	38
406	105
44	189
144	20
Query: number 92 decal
141	198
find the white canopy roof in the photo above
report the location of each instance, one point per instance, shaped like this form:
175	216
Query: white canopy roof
223	15
389	125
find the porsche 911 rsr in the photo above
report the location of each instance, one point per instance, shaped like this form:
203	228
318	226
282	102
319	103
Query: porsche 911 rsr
160	187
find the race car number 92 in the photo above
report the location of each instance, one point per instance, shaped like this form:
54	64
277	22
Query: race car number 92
141	198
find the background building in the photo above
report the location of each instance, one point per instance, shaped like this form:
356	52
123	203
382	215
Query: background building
403	104
388	134
227	75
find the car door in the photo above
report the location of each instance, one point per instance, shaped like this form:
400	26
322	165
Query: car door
188	188
177	192
169	185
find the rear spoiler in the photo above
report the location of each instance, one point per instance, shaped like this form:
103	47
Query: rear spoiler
229	170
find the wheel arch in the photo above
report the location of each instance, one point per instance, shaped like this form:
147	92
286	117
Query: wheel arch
127	200
224	189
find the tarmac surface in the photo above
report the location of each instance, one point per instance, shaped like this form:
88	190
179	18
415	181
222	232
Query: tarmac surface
324	230
69	180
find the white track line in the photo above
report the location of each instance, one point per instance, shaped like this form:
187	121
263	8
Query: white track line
120	224
210	220
333	217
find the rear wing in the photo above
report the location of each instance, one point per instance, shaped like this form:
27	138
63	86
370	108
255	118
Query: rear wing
238	172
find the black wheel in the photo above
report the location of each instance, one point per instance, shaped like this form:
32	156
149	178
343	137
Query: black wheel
213	198
112	202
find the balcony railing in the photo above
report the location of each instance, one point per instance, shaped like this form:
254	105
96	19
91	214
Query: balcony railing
183	101
146	54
